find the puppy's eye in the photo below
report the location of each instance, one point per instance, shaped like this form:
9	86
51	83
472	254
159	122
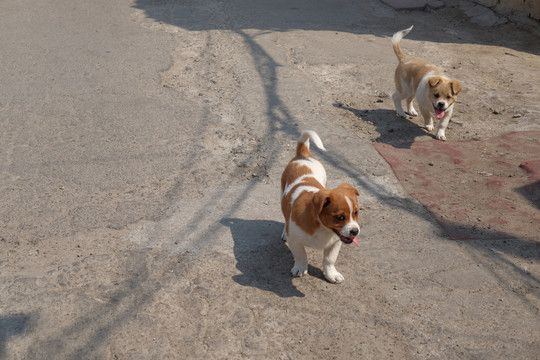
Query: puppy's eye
436	96
448	97
340	218
355	213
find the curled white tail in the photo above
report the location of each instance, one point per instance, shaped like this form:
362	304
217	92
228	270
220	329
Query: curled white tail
400	34
311	135
395	43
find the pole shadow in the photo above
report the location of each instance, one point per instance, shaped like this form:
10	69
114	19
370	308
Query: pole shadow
509	252
261	256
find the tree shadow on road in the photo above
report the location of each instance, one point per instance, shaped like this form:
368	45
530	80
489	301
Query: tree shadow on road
12	325
261	256
359	17
510	254
531	192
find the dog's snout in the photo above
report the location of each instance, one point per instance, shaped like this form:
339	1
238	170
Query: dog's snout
441	105
354	232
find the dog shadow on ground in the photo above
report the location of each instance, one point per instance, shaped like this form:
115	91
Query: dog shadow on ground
392	129
261	256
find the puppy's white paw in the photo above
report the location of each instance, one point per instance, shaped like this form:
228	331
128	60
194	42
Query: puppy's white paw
284	235
429	127
441	136
299	270
401	114
333	276
412	112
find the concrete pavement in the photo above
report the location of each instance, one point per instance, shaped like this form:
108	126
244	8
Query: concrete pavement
141	148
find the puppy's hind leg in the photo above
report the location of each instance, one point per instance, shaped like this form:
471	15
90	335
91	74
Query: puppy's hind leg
300	267
398	97
410	108
284	233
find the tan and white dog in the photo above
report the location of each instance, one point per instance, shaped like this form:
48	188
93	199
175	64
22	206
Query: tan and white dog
316	217
434	91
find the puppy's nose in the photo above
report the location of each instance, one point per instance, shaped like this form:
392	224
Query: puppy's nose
354	232
440	105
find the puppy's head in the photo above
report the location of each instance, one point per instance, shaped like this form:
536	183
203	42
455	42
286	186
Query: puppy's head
338	211
443	93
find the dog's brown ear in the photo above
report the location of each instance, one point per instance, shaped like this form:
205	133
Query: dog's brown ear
349	188
321	200
456	87
434	81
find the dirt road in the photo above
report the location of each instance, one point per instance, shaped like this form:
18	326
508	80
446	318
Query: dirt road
142	144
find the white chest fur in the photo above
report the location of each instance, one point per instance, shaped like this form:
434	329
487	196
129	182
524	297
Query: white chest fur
321	239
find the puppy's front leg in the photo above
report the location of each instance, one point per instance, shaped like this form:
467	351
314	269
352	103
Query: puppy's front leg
300	267
410	106
444	124
428	121
330	256
397	97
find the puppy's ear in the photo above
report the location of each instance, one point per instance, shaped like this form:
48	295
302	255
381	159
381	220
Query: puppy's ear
434	81
348	188
455	86
321	200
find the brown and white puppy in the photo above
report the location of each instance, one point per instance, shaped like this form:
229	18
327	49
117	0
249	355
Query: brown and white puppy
316	217
435	92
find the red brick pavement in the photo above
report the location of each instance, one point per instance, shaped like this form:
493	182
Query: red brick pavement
486	189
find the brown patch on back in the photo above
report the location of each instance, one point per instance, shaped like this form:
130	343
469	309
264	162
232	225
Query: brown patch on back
305	214
292	172
412	70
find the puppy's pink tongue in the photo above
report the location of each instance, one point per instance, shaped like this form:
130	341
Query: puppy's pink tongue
439	113
355	240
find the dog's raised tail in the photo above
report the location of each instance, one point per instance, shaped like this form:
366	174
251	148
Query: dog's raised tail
396	38
302	149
